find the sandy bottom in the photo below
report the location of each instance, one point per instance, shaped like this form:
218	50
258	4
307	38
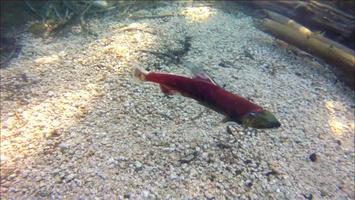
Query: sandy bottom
75	125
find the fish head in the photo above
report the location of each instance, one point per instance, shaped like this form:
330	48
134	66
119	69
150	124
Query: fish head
263	119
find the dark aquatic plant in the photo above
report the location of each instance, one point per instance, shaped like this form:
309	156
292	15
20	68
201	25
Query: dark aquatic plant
55	15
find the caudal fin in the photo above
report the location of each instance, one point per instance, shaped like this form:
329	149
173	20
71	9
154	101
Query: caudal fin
139	74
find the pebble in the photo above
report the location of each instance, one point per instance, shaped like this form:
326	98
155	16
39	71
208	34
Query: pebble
11	177
58	179
187	158
12	189
70	177
146	193
63	147
138	166
313	157
229	130
25	174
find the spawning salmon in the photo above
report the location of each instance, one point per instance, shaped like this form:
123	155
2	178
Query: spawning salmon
204	90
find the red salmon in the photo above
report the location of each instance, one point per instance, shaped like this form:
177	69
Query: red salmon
205	91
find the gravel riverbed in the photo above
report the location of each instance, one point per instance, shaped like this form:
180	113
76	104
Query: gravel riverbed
75	125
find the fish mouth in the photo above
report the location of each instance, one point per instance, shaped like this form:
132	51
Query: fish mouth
274	124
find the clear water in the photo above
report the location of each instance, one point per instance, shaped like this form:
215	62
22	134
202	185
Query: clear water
75	123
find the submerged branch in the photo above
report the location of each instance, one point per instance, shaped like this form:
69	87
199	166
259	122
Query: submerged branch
330	51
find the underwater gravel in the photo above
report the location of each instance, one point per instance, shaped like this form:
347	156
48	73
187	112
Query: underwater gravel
75	125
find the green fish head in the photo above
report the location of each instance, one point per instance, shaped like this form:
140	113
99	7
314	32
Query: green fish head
263	119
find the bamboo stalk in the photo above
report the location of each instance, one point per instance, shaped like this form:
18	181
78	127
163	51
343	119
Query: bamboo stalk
301	37
316	14
298	27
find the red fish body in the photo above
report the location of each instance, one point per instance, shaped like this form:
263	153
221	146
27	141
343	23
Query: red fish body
203	90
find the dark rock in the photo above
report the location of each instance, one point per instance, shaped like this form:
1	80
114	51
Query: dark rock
212	177
126	196
229	130
138	166
272	172
222	64
308	197
238	171
225	64
323	193
247	161
187	158
313	157
249	184
24	77
223	145
70	177
338	142
248	54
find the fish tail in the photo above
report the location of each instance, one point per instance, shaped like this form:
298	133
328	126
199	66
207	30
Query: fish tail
139	74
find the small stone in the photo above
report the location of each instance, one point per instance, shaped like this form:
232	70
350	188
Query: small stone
247	161
187	159
173	175
43	193
12	189
70	177
3	158
238	171
25	174
223	145
11	177
298	74
230	129
208	195
77	182
313	157
249	183
338	142
58	179
127	196
112	162
323	193
138	166
264	66
146	193
63	147
308	197
272	172
121	158
52	133
248	54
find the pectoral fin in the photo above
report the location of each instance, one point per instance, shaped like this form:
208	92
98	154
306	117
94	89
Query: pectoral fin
226	119
167	90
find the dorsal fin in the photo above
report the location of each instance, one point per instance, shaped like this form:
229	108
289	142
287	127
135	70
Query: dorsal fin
198	72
